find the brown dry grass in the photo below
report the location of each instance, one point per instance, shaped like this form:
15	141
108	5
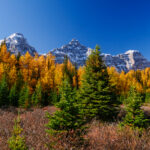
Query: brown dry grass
111	137
99	136
32	122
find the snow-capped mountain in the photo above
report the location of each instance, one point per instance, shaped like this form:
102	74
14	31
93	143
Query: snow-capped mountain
130	60
77	53
17	43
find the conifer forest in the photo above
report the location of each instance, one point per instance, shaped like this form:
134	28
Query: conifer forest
49	106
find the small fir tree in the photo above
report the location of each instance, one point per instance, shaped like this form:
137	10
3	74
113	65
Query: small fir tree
19	81
13	96
68	117
135	116
24	97
67	74
4	92
96	97
54	97
37	97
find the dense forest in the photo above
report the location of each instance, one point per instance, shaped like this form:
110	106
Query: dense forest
35	81
80	94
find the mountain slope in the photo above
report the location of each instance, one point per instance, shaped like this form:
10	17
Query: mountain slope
77	53
130	60
17	43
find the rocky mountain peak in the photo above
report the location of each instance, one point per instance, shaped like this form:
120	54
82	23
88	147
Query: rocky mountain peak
74	42
16	35
17	43
132	51
77	53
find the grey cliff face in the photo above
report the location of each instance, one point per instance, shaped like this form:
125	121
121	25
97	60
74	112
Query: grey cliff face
77	53
130	60
16	43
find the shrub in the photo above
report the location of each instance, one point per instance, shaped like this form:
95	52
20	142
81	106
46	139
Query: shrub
17	141
67	119
135	116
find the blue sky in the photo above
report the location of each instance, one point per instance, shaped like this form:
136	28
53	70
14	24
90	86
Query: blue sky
116	25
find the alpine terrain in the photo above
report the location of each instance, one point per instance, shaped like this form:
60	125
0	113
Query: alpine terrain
78	53
17	43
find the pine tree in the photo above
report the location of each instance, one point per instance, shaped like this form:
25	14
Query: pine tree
24	97
13	96
4	92
96	97
67	72
37	97
54	97
68	118
135	116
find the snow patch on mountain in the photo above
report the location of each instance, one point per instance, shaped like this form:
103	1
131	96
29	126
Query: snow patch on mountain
77	53
17	43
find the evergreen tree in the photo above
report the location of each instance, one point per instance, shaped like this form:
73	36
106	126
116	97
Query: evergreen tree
96	97
67	74
19	81
13	96
17	64
135	116
147	97
68	117
4	92
54	97
24	97
37	97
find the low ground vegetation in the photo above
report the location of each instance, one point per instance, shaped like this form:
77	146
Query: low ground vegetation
85	113
99	136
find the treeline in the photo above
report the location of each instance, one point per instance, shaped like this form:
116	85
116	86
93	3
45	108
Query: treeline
140	79
27	81
79	102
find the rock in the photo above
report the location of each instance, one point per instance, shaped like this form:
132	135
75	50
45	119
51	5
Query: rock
17	43
77	53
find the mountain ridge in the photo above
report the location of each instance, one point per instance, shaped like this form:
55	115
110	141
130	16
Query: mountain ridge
17	43
78	53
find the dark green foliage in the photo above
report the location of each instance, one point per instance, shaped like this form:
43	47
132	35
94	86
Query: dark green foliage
37	97
19	82
68	118
46	99
17	64
67	74
121	99
24	97
96	97
15	90
4	92
54	97
13	96
147	97
135	116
